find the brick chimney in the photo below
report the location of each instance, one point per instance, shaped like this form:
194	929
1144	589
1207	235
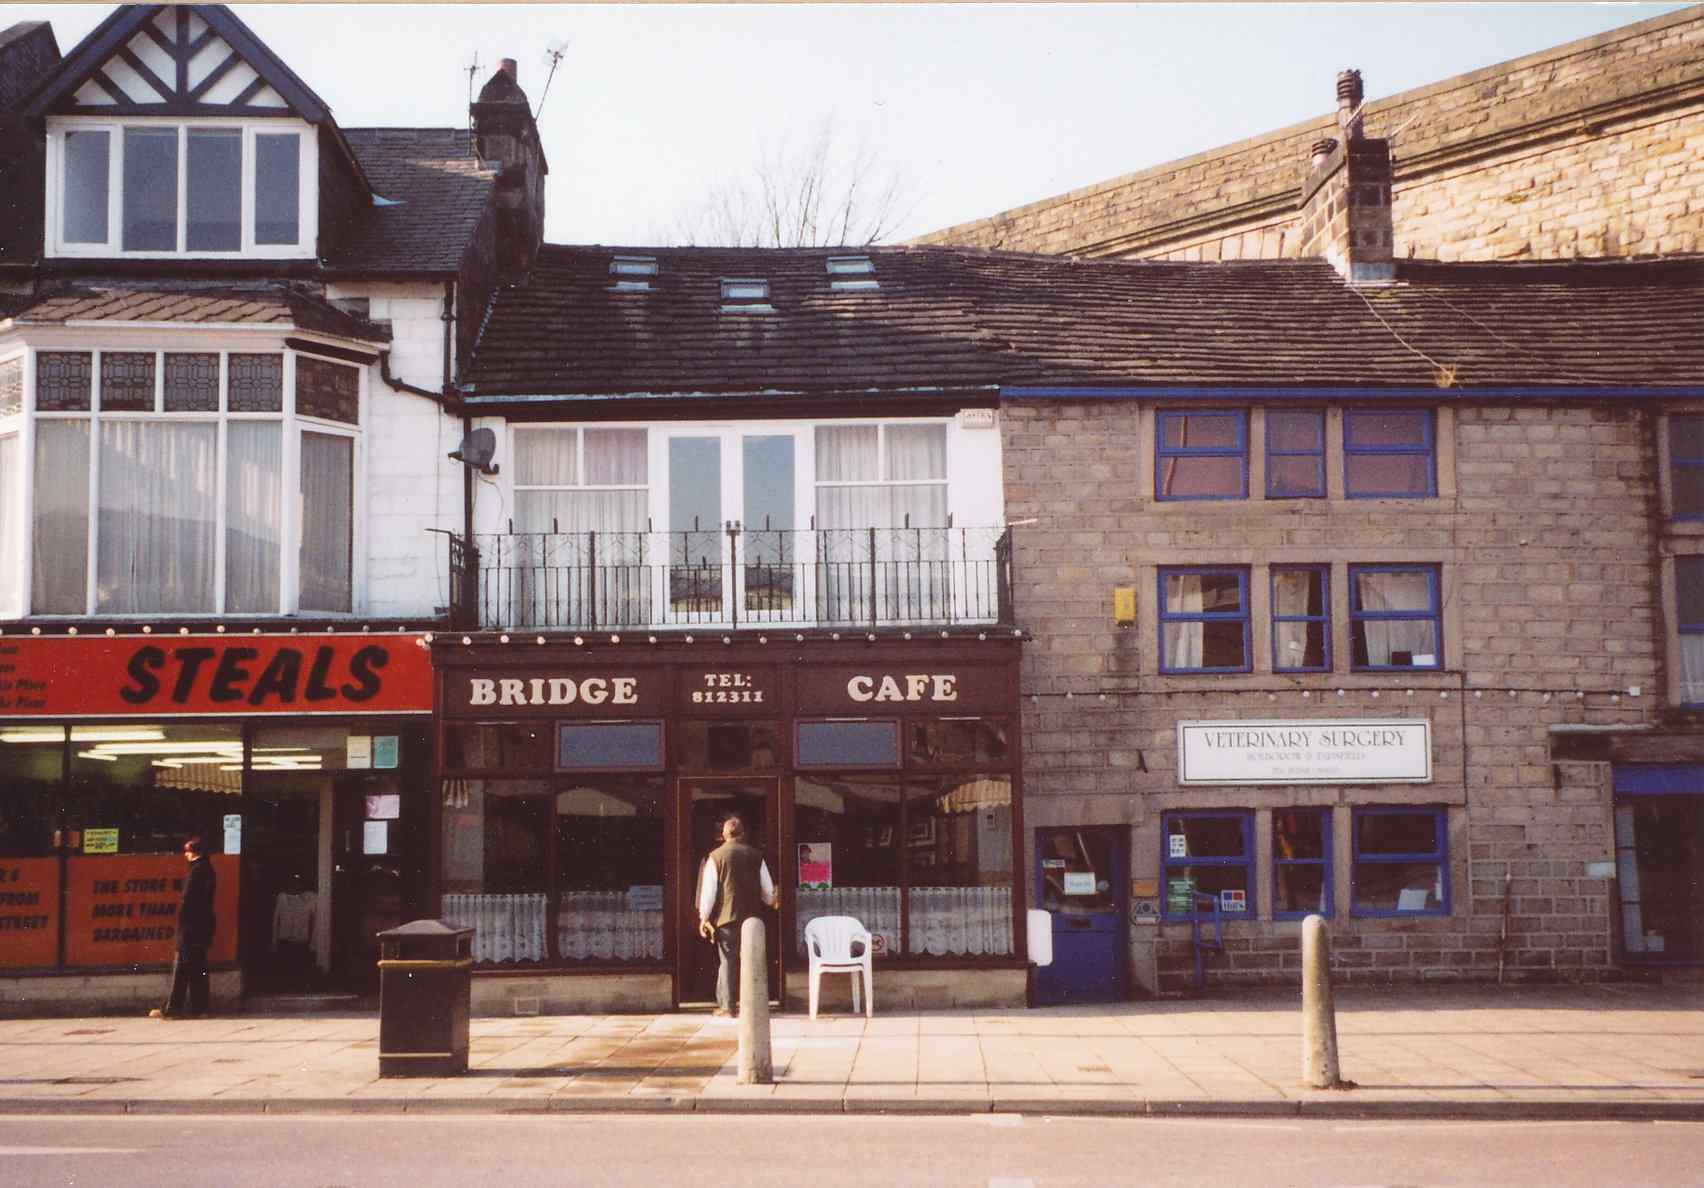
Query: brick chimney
504	131
1345	201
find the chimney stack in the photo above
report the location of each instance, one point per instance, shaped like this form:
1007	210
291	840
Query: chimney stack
1345	201
505	132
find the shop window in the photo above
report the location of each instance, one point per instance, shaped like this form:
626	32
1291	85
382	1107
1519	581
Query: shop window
1301	863
1295	454
606	746
1401	865
854	865
1301	618
1207	854
1388	453
1395	617
846	743
727	746
180	189
958	853
1686	466
1659	848
1204	620
1201	455
609	864
957	742
31	759
1689	627
500	746
142	788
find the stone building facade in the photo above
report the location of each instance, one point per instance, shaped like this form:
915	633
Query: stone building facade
1586	149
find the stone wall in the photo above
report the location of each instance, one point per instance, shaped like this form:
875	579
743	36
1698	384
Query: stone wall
1580	150
1544	520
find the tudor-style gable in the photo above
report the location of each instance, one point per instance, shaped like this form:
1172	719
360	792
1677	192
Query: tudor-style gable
174	132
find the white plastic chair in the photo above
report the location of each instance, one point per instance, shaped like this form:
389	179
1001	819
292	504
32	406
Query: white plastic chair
828	944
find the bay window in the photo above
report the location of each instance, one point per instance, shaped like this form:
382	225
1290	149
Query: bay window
159	482
217	187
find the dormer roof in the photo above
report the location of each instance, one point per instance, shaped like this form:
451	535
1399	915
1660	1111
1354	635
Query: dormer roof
175	60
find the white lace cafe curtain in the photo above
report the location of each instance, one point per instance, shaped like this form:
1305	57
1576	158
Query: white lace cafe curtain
157	515
876	908
507	928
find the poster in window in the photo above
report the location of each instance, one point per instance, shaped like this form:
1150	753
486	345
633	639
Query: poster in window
384	806
1180	895
1178	844
921	833
359	754
375	837
233	833
1079	882
816	866
100	841
386	748
1233	901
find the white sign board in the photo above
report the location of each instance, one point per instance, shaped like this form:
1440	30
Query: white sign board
1320	751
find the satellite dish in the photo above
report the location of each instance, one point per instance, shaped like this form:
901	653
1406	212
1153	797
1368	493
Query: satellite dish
476	450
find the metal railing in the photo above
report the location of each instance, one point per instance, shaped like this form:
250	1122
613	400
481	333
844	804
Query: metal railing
732	576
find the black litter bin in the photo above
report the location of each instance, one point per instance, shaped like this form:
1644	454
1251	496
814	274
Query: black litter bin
425	981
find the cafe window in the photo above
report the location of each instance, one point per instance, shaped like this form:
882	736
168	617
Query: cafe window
1401	862
1301	863
567	870
958	852
603	746
499	746
851	855
727	746
1207	857
957	742
847	743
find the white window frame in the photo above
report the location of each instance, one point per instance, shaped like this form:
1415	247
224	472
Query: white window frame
307	242
292	426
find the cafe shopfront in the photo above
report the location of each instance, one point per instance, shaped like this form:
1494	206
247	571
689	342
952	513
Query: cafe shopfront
585	779
300	759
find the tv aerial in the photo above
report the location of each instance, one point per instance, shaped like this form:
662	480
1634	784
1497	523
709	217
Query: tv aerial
554	50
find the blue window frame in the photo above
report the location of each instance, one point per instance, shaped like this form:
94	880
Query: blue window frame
1301	618
1207	853
1401	862
1686	467
1295	453
1301	863
1689	624
1201	455
1395	618
1204	620
1389	454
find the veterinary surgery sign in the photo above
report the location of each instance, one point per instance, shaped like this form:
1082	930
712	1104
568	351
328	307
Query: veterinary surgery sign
1320	751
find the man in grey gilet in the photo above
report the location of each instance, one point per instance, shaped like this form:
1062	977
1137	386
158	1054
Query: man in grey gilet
734	884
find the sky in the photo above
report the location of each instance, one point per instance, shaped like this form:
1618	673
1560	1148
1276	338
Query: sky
975	108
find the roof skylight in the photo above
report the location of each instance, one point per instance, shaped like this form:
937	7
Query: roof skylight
852	274
632	273
745	295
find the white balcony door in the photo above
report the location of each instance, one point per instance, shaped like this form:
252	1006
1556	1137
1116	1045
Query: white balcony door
719	478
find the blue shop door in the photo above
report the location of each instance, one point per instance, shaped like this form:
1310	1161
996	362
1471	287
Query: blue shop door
1083	878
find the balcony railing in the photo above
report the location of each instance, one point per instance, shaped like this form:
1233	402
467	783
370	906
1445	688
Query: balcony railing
732	577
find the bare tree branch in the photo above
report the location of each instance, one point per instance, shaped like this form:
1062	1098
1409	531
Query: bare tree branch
823	196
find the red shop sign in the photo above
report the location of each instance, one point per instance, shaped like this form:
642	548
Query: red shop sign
199	675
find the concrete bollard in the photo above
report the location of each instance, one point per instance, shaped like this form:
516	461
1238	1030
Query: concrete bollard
1319	1013
756	1065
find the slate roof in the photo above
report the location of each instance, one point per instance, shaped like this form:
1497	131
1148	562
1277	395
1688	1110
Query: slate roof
966	318
253	305
440	190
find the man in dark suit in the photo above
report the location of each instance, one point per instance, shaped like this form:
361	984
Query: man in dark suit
195	924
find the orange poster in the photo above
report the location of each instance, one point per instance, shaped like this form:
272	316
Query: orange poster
29	912
123	910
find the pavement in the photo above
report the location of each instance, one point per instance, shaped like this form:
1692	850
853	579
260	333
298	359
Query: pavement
1596	1052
